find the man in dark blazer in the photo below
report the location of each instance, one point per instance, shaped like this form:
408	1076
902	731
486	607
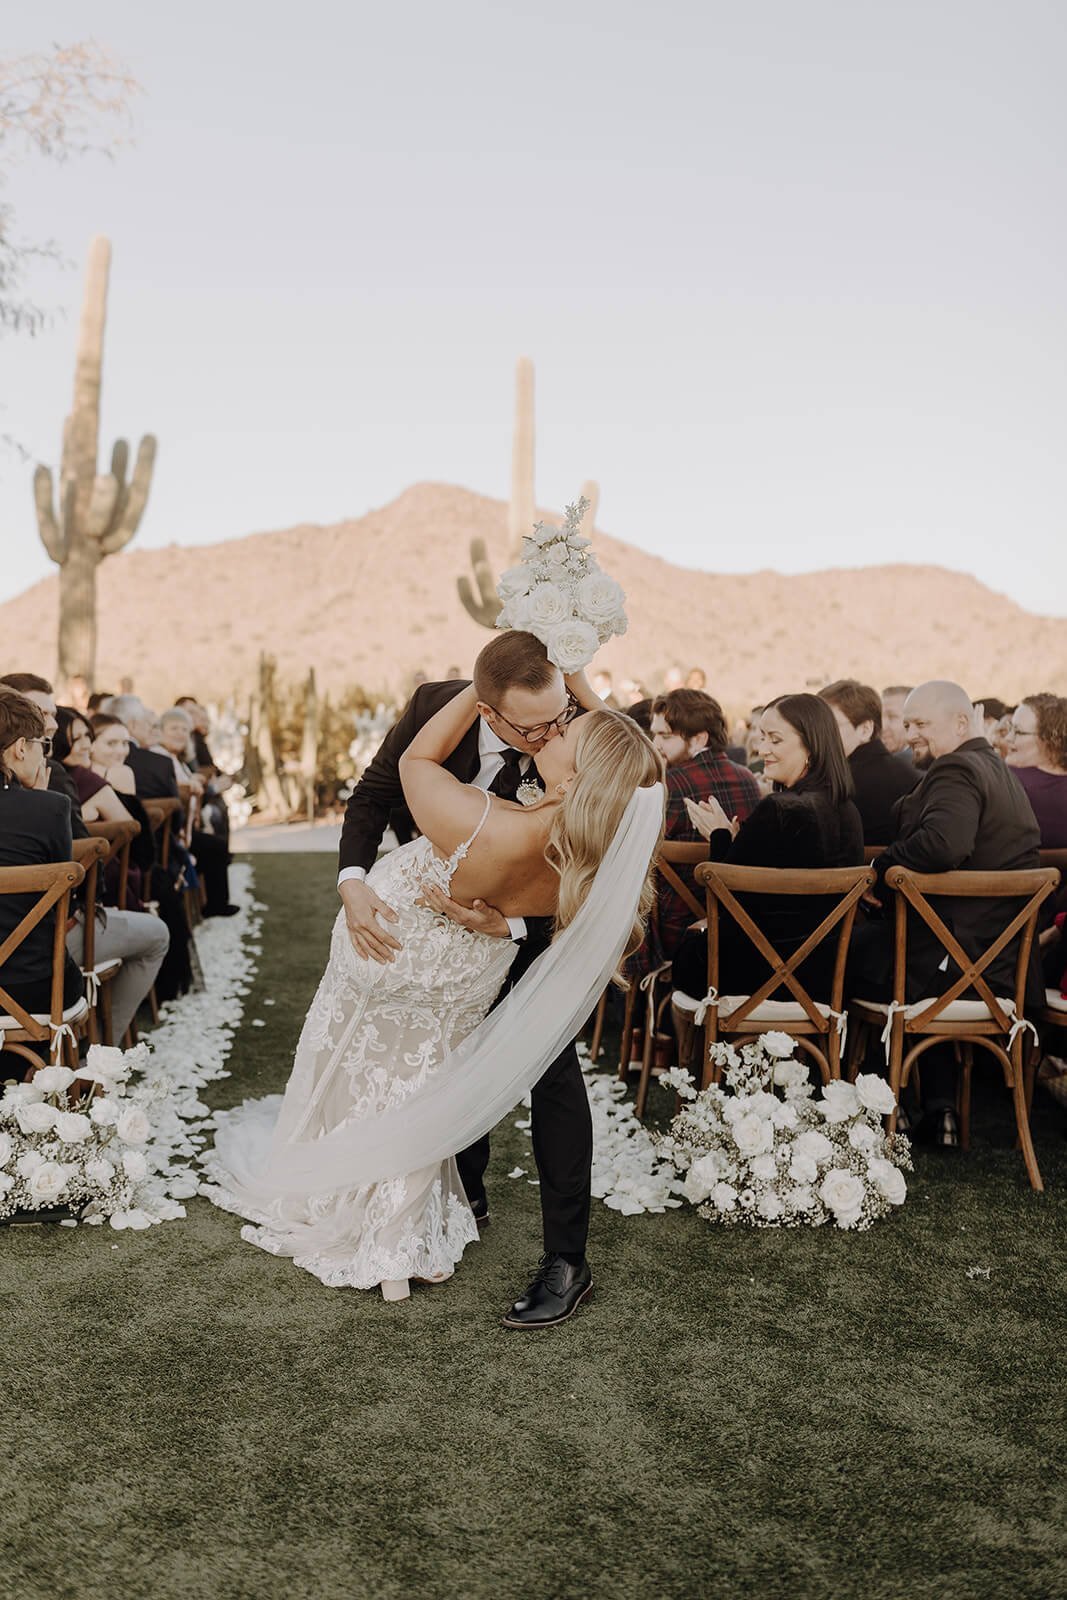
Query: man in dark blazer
879	779
522	703
967	814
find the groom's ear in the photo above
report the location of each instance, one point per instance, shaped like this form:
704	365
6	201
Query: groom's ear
483	710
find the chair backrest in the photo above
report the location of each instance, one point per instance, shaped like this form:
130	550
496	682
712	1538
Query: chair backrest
871	852
674	853
161	814
917	889
724	883
90	855
120	836
52	883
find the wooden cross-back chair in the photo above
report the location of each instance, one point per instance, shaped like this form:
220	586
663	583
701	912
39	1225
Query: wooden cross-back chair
161	814
994	1023
61	1028
91	855
119	837
816	1025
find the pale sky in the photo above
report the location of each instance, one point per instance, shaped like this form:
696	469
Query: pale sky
791	272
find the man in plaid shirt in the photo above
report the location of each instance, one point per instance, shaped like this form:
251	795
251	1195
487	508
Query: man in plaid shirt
689	731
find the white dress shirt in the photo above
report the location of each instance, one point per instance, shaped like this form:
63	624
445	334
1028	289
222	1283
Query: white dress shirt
491	758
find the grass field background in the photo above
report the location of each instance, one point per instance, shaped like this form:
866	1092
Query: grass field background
735	1414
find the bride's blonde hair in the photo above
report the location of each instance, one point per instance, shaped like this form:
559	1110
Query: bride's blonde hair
612	758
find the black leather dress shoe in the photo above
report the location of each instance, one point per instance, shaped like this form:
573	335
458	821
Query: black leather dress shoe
480	1209
947	1130
555	1294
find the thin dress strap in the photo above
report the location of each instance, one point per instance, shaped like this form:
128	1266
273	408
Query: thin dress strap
461	849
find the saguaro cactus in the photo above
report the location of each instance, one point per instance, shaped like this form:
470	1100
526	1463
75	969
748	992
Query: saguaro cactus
96	514
481	601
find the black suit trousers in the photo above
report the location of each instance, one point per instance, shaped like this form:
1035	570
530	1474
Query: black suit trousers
562	1131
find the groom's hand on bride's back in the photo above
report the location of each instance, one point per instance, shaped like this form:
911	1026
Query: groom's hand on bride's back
477	918
363	909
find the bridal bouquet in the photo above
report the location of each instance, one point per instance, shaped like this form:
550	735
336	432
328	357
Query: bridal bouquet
789	1160
559	593
100	1157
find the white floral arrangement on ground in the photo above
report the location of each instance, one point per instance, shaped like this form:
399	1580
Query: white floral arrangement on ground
753	1156
559	594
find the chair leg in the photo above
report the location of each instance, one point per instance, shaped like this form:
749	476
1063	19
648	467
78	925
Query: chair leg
627	1031
963	1099
896	1066
646	1055
598	1028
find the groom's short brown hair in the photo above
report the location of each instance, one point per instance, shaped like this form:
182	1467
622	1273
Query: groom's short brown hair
511	660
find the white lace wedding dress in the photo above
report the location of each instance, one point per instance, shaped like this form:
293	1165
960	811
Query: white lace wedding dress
374	1034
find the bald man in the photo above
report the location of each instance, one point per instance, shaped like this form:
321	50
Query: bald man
968	814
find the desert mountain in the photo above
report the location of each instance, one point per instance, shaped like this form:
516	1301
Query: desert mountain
373	600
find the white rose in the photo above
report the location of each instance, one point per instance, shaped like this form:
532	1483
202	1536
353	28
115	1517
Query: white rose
600	598
843	1193
839	1101
752	1134
104	1113
701	1178
22	1094
762	1103
802	1168
558	555
814	1145
724	1197
135	1165
732	1109
874	1094
861	1136
544	533
765	1168
785	1115
101	1172
108	1061
47	1181
802	1198
6	1148
778	1044
545	605
887	1179
36	1118
6	1182
514	582
769	1206
571	645
28	1162
133	1127
73	1127
53	1080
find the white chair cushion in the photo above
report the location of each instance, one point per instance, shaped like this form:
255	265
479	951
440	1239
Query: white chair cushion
958	1011
1055	1000
73	1013
766	1011
108	969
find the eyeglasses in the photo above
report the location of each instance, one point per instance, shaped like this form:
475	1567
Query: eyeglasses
543	729
45	744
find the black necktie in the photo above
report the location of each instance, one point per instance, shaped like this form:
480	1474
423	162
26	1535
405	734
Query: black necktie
506	783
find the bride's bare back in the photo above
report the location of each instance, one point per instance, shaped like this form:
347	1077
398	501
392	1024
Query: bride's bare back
506	866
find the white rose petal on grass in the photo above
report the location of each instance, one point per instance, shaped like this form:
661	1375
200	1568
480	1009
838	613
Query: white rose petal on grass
570	645
888	1180
47	1181
777	1044
843	1193
134	1165
874	1094
517	1172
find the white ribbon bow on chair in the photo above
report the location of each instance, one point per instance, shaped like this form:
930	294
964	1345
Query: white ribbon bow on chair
710	1000
92	985
61	1031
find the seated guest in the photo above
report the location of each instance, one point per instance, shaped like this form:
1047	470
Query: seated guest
213	811
689	731
1037	755
641	713
34	831
139	940
98	699
175	741
40	692
968	814
808	821
878	779
996	716
697	679
107	755
893	738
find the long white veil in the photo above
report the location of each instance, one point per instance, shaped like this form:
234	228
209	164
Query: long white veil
494	1066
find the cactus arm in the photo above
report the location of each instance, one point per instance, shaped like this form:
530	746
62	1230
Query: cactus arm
485	606
102	503
53	534
131	500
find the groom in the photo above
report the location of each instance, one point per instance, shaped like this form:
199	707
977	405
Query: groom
522	704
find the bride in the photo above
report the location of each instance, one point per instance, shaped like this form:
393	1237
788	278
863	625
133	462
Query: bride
352	1174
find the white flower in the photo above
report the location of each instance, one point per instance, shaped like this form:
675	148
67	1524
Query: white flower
6	1148
545	606
53	1080
769	1206
23	1094
544	533
37	1117
724	1197
101	1172
802	1198
133	1127
47	1181
762	1103
748	1198
578	541
104	1113
842	1192
840	1101
765	1168
701	1178
874	1094
778	1044
6	1182
135	1165
680	1081
558	555
108	1062
600	598
571	645
514	582
73	1127
815	1145
785	1115
28	1162
802	1168
752	1134
861	1136
887	1179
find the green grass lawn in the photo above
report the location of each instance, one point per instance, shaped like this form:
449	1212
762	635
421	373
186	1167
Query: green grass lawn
735	1414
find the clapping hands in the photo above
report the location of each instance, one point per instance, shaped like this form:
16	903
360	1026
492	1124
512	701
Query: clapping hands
708	816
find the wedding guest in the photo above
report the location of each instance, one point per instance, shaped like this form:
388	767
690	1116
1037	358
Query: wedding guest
136	938
108	752
673	678
41	694
214	815
996	716
696	678
893	738
34	831
641	713
878	779
1037	756
97	700
689	731
175	741
808	821
968	814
